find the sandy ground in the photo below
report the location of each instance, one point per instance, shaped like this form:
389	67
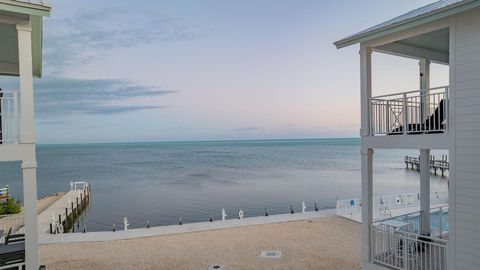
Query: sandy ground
326	243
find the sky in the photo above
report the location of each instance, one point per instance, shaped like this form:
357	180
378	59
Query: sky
153	70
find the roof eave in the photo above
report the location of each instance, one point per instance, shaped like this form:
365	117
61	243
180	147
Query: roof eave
25	8
423	19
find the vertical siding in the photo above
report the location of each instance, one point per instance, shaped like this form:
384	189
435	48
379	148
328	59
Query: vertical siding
467	140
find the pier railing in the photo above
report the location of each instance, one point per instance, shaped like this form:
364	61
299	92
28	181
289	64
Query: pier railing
9	117
414	112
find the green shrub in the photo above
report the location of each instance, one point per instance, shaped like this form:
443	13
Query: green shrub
10	207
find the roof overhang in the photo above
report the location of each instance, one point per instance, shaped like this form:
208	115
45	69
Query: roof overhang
11	13
22	7
425	18
434	46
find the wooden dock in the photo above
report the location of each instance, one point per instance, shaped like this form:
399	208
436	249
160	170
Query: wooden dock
62	215
441	165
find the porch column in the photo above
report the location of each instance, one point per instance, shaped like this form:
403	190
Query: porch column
366	153
367	209
29	170
366	89
27	119
424	75
27	136
425	190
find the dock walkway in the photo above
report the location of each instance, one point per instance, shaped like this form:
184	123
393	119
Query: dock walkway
65	210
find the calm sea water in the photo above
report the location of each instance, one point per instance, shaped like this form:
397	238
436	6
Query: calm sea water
160	182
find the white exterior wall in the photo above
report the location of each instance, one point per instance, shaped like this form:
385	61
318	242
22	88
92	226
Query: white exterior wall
465	182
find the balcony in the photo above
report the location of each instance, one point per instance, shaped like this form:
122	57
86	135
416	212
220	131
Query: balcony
397	242
9	117
416	112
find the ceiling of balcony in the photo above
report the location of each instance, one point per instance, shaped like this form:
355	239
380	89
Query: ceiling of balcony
433	46
9	43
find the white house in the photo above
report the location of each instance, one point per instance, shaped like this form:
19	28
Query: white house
21	55
446	32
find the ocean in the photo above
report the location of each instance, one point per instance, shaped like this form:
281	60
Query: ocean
160	182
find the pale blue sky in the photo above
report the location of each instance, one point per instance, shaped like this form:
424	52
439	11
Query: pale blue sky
207	70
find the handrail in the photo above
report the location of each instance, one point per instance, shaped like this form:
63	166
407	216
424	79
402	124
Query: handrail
411	112
9	91
409	92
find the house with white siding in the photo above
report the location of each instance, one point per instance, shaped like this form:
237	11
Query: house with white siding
447	118
21	56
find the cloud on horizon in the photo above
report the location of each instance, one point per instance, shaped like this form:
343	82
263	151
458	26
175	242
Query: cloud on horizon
247	129
65	96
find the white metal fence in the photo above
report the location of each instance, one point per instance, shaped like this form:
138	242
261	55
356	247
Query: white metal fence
403	250
421	111
438	221
397	242
383	205
9	117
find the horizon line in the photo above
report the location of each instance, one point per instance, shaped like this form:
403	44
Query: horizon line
200	141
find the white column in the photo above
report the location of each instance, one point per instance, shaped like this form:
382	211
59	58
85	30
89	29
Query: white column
424	73
27	136
367	210
27	119
424	77
30	214
367	154
366	89
425	190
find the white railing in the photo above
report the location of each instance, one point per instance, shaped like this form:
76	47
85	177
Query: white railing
78	185
403	250
397	242
9	117
4	193
382	205
414	112
438	221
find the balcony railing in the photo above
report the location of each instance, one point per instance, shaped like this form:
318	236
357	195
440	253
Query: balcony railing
414	112
397	242
9	117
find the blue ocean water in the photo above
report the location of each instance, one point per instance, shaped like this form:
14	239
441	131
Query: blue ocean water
160	182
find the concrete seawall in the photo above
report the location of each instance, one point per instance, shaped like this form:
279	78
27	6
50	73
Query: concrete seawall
46	238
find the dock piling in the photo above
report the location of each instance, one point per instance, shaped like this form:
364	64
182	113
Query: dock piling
435	164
